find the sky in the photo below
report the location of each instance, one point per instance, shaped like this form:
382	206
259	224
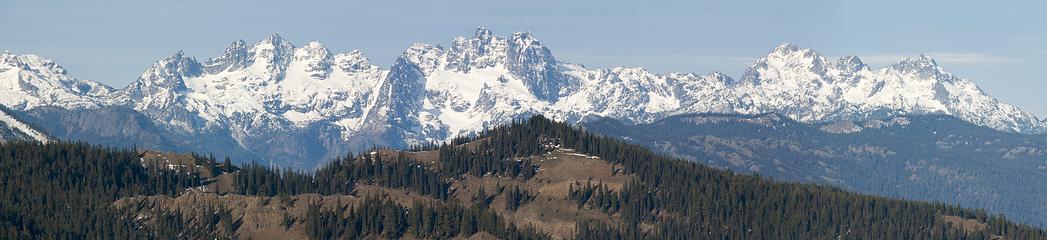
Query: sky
1000	45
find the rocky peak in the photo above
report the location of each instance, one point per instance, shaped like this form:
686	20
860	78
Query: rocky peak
922	67
9	60
272	55
918	63
483	33
529	60
525	40
167	74
31	63
353	62
791	56
401	93
482	51
850	63
720	77
274	39
315	59
425	56
786	48
788	64
236	57
312	50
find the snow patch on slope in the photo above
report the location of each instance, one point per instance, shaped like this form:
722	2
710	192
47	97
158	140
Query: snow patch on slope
13	123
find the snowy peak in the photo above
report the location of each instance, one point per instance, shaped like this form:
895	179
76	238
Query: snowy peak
786	48
235	58
851	63
520	55
483	33
167	74
524	40
271	56
29	81
484	50
534	63
354	62
426	57
803	85
314	59
787	67
788	53
272	46
790	57
923	66
918	63
30	63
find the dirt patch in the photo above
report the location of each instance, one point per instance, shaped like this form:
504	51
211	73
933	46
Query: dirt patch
261	217
550	211
968	225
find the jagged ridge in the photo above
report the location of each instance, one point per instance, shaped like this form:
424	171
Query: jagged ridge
272	93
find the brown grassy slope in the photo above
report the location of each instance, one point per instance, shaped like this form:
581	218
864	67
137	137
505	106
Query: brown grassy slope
262	217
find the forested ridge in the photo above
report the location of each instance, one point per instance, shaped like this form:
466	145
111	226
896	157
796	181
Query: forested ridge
63	190
67	190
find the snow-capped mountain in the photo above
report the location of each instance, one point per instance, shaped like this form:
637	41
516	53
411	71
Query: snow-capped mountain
271	95
810	88
30	81
270	85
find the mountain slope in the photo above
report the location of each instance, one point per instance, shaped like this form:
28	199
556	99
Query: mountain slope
12	129
533	179
931	158
280	102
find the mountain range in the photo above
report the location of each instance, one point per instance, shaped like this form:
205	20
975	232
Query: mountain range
293	106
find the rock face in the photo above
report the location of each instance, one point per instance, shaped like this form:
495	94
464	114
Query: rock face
274	101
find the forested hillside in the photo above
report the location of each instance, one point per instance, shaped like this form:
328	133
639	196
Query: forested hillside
929	158
534	179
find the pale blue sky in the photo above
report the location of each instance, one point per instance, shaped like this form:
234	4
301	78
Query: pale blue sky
1001	45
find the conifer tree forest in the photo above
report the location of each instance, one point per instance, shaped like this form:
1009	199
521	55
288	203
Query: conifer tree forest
66	190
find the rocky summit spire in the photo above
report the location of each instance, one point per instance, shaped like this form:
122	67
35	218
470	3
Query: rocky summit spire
354	61
850	63
482	33
786	48
531	61
271	56
788	65
165	75
234	58
315	59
